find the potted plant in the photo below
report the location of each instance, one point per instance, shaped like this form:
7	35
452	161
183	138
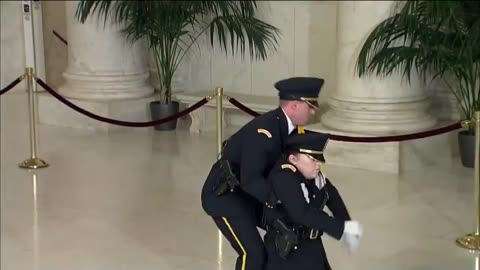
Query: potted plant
437	39
173	27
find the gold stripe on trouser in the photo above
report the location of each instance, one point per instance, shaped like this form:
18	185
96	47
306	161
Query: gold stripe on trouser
244	257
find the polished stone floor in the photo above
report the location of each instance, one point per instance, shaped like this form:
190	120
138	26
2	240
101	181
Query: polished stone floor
130	200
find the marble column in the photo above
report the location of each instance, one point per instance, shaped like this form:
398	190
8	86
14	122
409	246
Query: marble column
444	104
371	105
377	106
102	64
106	75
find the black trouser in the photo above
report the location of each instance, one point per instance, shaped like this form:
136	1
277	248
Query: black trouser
244	237
237	215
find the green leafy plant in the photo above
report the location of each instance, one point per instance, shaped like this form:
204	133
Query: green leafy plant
173	27
433	38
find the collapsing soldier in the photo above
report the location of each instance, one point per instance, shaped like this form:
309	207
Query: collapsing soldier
296	224
236	188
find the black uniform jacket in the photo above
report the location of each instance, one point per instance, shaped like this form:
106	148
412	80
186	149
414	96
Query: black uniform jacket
289	184
253	150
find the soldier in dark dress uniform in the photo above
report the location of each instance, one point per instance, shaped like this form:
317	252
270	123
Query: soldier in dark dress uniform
303	191
236	189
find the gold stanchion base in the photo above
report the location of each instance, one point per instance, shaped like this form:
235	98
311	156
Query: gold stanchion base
469	241
33	163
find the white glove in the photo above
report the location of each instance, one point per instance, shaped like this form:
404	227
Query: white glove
353	227
352	235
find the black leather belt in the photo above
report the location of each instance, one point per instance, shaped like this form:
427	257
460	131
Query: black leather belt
308	233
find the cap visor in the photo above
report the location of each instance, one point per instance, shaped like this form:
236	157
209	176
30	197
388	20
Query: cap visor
319	157
313	104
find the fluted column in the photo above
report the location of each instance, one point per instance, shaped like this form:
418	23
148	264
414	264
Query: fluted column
371	105
102	64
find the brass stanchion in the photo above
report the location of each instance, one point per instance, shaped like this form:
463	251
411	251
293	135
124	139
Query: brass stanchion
219	96
472	241
33	162
219	106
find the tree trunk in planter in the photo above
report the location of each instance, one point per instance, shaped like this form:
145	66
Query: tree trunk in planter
467	148
162	110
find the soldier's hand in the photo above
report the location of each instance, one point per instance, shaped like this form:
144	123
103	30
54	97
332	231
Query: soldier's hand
353	227
352	235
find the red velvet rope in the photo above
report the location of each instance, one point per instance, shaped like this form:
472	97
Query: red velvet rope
398	138
242	107
411	136
11	85
118	122
60	37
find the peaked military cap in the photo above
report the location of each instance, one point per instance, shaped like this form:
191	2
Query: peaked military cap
311	143
300	88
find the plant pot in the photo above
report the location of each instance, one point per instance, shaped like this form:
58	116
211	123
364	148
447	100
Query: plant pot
161	110
467	148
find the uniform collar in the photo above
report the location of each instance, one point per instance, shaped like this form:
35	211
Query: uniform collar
290	124
282	117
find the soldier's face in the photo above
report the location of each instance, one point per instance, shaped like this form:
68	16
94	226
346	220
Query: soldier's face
306	164
303	113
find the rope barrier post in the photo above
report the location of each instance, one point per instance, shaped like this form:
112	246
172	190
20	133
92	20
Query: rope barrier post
33	162
219	105
472	241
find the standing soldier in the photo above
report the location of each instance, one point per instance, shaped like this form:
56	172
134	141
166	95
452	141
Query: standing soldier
236	189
